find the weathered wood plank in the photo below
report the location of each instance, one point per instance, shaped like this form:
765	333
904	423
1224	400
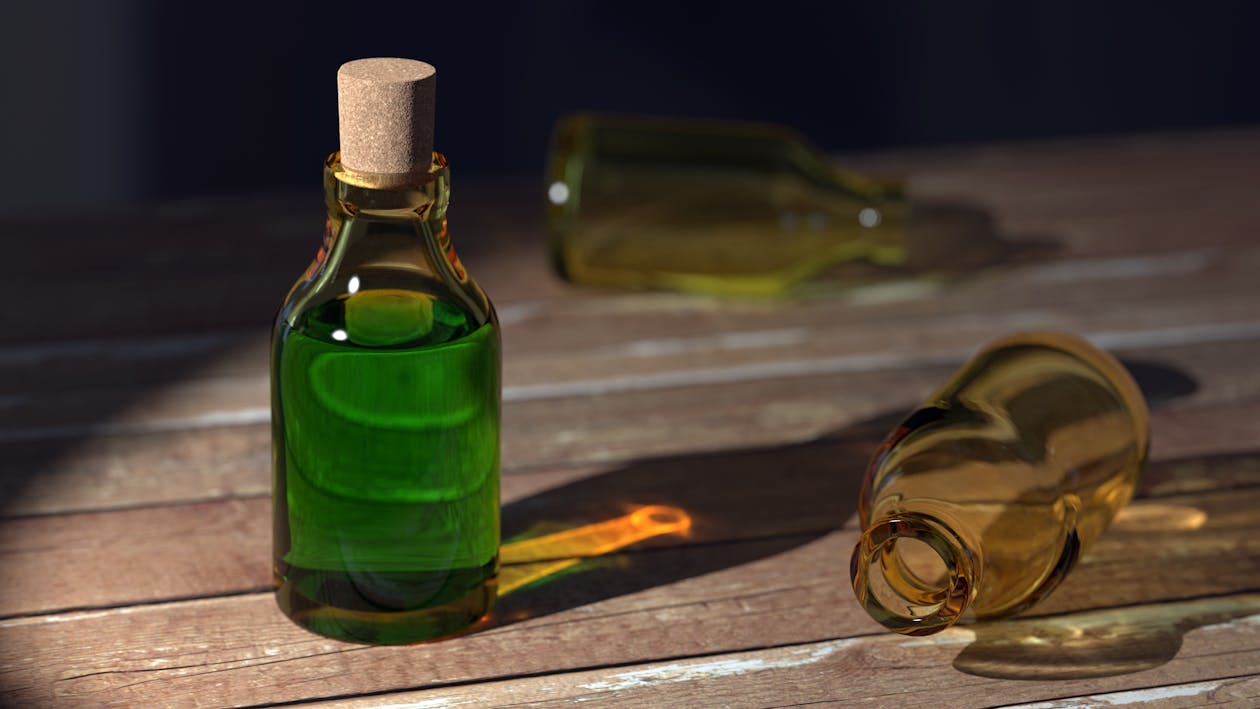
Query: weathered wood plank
240	651
903	672
1161	547
61	562
630	334
735	585
210	460
54	399
1238	692
191	266
173	552
1096	197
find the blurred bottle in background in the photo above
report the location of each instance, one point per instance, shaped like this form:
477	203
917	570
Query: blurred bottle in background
718	207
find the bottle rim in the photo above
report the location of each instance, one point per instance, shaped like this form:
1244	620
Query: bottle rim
893	595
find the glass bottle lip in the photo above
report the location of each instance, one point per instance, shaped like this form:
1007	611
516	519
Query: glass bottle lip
897	599
386	181
391	196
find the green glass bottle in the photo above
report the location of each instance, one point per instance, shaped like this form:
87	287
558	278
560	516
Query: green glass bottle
385	392
709	206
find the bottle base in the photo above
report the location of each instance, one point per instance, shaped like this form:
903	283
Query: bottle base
332	604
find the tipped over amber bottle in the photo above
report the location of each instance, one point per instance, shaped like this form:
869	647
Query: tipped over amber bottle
986	495
710	206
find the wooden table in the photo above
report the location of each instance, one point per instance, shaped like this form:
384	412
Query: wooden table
135	541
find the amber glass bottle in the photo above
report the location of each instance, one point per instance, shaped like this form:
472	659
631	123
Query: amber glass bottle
385	406
718	207
986	495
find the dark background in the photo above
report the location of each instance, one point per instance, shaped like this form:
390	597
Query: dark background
134	101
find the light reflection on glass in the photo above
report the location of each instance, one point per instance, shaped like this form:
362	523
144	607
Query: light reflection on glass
870	217
558	193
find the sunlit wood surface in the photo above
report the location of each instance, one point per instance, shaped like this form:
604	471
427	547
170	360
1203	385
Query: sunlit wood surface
135	458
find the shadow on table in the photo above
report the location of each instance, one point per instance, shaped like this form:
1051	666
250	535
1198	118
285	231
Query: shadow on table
945	241
1112	641
1108	618
732	507
1095	643
113	310
738	506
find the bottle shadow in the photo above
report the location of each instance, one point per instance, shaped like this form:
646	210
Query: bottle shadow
733	507
1119	611
959	238
739	506
1113	614
945	241
1099	643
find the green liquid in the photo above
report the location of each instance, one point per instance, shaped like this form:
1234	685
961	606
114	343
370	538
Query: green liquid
386	425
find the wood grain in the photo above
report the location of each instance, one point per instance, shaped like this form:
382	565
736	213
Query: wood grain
180	252
61	391
1169	544
134	456
189	465
239	650
197	463
889	671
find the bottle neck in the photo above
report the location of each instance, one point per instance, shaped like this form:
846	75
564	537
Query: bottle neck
386	233
365	195
914	573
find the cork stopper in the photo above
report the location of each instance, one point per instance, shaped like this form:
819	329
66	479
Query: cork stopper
386	115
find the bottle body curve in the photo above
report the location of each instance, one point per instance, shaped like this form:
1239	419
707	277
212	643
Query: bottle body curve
385	421
1014	467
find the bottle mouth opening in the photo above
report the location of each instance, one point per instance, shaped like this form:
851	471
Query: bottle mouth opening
912	574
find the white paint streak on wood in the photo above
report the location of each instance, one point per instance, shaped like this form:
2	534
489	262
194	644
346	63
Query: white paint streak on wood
894	292
846	364
752	339
693	671
519	312
728	375
1172	336
63	618
212	419
949	636
1248	620
1100	269
425	704
1141	697
856	363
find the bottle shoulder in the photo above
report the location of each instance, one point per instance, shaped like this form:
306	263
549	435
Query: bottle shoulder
394	292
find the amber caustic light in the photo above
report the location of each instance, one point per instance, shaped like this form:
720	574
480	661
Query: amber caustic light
530	560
